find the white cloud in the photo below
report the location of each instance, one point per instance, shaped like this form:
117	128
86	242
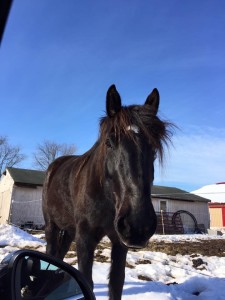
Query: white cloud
197	158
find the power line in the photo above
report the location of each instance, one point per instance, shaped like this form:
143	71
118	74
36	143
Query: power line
26	201
186	193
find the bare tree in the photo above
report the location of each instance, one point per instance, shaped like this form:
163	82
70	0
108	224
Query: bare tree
9	155
48	151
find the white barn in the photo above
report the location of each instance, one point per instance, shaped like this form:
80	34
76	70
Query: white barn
171	200
21	197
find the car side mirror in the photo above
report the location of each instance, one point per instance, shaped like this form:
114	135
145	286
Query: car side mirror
31	275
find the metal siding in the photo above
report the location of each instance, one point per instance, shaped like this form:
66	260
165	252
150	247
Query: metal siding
200	210
27	206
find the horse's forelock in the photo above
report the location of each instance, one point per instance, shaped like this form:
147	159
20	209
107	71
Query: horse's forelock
116	125
158	132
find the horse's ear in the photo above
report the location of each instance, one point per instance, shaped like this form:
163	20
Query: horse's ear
113	101
153	101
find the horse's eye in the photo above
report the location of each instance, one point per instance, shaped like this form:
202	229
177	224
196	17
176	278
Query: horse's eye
111	141
108	143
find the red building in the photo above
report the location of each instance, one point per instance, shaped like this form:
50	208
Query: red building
216	193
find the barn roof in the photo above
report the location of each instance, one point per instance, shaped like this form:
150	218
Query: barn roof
26	177
164	192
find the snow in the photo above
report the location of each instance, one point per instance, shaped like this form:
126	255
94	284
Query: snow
213	192
14	236
158	269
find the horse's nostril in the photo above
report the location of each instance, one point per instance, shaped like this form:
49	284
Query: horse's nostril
147	229
123	227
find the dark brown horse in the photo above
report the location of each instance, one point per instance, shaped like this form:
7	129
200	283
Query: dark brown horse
106	191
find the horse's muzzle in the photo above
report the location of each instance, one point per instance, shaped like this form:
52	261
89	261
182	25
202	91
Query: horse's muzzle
135	233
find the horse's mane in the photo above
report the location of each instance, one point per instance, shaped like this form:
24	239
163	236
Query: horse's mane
158	133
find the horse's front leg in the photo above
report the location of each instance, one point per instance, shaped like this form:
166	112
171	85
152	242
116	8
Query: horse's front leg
85	247
117	271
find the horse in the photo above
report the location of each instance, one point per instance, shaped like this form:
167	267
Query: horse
107	190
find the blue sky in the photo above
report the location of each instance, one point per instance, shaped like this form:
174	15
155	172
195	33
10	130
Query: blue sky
58	59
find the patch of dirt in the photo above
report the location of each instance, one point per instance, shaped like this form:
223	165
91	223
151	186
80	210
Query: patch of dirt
130	266
144	262
70	254
204	247
146	278
101	258
199	264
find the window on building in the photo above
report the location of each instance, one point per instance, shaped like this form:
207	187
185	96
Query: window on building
163	205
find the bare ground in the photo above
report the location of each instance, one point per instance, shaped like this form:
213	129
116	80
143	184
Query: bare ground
204	247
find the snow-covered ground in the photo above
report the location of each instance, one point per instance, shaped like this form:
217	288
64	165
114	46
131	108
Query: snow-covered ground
204	283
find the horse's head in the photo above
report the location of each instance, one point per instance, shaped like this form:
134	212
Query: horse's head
132	137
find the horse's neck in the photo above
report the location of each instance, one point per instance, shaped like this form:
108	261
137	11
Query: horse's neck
92	161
